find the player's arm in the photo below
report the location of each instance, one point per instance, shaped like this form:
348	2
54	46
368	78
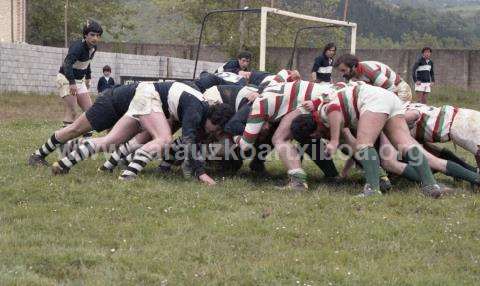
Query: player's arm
88	76
191	122
316	66
236	125
411	116
414	71
335	119
381	80
432	73
72	56
255	122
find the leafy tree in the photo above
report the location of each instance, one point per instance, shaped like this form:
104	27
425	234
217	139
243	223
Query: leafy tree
46	19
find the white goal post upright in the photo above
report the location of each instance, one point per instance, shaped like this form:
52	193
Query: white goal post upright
263	29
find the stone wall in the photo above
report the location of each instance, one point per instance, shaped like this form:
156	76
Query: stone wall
30	68
457	68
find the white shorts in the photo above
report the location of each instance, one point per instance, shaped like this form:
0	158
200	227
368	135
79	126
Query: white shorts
63	86
465	130
145	101
423	87
379	100
404	91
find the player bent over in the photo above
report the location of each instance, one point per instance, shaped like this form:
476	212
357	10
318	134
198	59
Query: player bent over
280	104
104	113
151	105
374	73
370	110
431	124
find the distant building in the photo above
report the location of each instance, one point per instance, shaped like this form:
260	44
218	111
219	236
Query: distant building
13	20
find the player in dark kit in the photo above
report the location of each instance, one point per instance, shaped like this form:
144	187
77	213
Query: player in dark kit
73	79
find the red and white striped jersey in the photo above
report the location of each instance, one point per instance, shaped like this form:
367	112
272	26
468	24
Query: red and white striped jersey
434	123
378	74
276	102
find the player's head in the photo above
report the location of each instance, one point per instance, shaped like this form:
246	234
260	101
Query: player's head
304	128
330	50
244	59
426	52
107	70
347	65
92	32
217	116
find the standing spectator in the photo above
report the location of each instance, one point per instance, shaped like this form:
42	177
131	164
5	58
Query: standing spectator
423	75
323	66
105	81
241	63
73	79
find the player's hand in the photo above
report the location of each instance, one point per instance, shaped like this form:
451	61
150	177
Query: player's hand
418	82
87	83
431	84
207	180
73	89
308	105
252	96
331	148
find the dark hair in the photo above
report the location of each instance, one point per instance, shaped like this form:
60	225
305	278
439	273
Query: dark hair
347	59
245	55
92	26
220	114
301	128
107	68
328	47
426	49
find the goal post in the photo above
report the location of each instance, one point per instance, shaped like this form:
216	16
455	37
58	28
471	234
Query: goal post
263	29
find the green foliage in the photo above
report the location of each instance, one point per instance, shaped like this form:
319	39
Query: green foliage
46	19
412	27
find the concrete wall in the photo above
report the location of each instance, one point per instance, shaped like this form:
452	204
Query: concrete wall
458	68
29	68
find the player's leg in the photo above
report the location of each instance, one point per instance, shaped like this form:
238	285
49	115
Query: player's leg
288	153
122	151
59	137
389	161
123	130
396	130
70	103
157	125
446	154
369	128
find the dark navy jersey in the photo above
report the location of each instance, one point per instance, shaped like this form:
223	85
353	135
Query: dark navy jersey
235	95
257	77
231	66
323	67
423	71
187	106
232	78
76	65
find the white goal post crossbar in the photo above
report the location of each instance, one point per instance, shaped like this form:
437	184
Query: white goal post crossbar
263	29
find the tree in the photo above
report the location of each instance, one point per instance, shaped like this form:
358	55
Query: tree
45	19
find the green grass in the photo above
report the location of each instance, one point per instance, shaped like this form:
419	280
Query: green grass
88	228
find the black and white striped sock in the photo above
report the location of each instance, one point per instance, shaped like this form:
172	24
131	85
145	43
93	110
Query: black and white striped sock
48	147
120	153
71	145
80	153
139	162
